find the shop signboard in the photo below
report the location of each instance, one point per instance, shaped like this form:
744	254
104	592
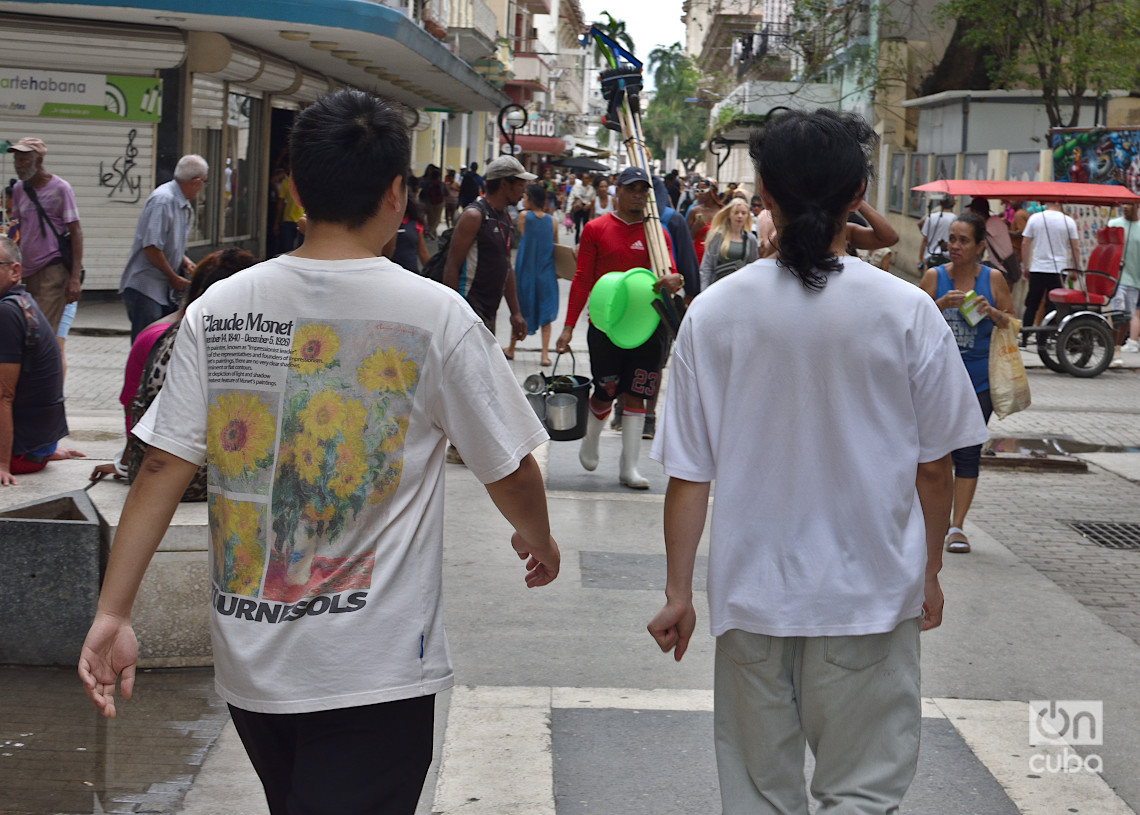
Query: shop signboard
60	94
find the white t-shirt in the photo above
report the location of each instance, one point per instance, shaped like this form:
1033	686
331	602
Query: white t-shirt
936	230
322	394
1051	232
811	411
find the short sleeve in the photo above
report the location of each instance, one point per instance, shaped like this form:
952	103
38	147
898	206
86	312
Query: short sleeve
1072	225
11	332
156	227
946	407
482	409
682	442
69	209
176	420
1030	230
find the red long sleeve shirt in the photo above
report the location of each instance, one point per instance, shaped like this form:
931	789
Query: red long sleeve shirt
608	244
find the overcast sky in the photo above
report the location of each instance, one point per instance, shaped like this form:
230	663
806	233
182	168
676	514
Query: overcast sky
650	22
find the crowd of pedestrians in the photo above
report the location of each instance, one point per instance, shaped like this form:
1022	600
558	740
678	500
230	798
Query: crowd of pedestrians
318	432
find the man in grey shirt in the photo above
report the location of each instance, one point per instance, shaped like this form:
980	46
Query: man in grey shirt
158	267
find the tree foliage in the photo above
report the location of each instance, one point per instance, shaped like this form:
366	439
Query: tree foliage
1063	47
669	114
615	30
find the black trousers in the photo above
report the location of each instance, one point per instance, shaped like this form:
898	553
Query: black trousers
1040	284
369	760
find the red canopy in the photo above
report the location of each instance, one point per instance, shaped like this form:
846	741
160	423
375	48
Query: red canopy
1064	192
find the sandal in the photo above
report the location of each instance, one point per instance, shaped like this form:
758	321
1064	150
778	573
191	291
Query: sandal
957	542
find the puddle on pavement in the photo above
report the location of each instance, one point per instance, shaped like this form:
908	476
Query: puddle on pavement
57	755
1053	446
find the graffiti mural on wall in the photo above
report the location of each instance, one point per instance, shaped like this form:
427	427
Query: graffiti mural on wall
125	188
1097	156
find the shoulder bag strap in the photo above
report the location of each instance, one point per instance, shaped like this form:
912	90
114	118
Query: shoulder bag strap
35	199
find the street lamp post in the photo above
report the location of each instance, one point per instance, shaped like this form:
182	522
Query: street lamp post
511	119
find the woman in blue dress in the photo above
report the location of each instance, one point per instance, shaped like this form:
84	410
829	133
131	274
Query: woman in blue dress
535	281
948	285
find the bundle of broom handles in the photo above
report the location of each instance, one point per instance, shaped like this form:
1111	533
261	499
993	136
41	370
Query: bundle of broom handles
620	86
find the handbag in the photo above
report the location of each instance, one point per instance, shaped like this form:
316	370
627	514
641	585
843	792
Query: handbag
63	242
1009	386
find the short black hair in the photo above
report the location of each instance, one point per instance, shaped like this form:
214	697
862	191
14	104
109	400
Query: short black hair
813	165
536	193
347	149
977	224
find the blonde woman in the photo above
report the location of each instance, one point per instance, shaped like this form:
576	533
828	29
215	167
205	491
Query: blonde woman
729	245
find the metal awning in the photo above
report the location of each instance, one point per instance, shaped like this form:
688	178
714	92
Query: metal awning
548	145
354	42
1064	192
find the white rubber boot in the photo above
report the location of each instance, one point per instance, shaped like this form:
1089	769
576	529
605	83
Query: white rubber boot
631	427
588	452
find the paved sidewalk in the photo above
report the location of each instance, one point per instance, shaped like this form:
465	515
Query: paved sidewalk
563	703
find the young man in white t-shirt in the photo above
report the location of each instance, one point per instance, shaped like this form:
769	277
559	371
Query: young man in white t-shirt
321	388
833	490
1048	247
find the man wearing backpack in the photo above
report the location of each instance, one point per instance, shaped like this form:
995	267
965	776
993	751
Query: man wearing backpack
472	186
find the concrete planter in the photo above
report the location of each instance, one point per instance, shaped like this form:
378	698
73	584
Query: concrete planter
54	551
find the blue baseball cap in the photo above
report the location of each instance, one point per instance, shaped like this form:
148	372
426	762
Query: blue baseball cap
631	175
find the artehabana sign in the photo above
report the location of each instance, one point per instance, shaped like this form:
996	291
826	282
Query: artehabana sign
59	94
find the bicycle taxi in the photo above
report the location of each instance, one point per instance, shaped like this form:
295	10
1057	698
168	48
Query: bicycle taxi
1076	334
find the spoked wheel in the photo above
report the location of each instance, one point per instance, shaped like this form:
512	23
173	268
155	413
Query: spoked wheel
1047	350
1085	347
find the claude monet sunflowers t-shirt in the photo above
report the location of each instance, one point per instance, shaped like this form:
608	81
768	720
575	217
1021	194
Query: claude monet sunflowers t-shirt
322	395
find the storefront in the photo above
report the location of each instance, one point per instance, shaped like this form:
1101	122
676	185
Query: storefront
118	94
534	143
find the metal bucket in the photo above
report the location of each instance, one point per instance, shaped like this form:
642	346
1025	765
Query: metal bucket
561	411
568	386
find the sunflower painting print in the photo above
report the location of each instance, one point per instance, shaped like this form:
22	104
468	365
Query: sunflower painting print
241	429
345	413
237	537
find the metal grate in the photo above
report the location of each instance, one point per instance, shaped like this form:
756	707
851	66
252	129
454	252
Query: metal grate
1110	535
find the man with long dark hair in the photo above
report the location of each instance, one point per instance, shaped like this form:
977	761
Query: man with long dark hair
824	398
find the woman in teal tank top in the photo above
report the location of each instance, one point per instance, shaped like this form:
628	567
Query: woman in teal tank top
948	285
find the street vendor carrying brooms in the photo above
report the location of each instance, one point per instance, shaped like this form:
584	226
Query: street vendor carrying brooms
626	336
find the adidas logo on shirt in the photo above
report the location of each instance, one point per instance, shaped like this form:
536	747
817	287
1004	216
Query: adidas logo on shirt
637	244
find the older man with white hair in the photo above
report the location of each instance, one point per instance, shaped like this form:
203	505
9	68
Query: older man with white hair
158	267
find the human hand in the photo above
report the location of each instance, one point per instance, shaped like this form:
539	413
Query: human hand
673	626
542	562
673	282
6	478
74	290
179	283
101	471
562	344
932	604
518	327
109	650
951	299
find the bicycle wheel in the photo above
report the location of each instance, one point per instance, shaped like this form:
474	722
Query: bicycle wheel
1047	351
1085	347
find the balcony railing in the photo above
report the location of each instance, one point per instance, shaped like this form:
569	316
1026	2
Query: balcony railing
472	28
